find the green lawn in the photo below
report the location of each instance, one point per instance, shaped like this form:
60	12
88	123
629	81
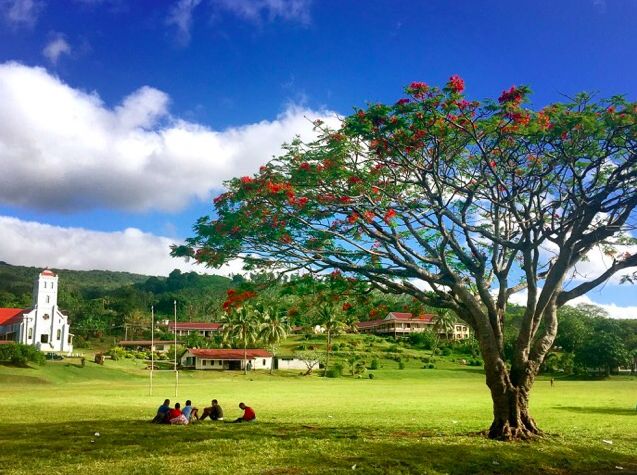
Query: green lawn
403	421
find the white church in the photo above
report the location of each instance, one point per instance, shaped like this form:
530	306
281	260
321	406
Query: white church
42	325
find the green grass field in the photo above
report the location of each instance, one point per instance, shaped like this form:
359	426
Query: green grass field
403	421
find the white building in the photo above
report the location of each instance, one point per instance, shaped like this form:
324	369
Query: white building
221	359
42	325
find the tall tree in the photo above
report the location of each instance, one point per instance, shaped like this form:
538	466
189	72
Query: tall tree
470	201
274	328
443	325
241	325
329	318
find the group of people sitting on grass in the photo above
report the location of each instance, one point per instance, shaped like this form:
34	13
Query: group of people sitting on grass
187	414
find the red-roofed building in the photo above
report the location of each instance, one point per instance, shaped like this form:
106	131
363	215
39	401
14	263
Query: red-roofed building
226	359
398	324
42	325
205	329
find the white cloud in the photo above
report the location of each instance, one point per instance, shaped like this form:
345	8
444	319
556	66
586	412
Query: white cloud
613	310
259	10
30	243
20	13
56	48
63	149
180	16
597	263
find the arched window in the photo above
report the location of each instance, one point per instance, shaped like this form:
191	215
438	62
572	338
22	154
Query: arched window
48	299
59	335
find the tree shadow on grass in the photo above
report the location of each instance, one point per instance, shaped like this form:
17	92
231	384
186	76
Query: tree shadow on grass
611	411
292	448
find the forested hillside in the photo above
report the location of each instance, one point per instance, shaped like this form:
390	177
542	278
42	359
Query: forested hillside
100	302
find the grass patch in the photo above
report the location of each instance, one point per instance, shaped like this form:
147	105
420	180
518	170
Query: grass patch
403	421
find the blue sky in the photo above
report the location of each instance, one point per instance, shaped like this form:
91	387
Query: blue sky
119	119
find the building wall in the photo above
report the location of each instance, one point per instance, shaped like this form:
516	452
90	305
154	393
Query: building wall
220	364
290	364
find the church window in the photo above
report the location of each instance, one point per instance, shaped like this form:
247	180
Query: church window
48	299
59	334
44	338
30	333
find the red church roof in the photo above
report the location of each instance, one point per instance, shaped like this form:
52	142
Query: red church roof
222	354
9	316
48	272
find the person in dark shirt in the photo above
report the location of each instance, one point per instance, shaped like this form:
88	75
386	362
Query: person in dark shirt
214	412
248	414
162	413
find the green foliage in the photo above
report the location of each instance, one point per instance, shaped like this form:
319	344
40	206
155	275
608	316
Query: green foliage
424	340
375	364
336	371
19	354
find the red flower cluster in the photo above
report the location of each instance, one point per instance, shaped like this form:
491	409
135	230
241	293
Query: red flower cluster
352	218
418	89
513	95
345	200
234	299
246	180
354	180
369	216
220	198
402	101
389	215
305	166
346	306
544	121
520	118
456	84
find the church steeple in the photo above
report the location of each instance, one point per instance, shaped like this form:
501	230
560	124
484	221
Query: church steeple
45	291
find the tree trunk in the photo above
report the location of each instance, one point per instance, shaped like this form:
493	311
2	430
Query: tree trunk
511	418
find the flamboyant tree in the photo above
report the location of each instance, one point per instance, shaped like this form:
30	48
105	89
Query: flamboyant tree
455	202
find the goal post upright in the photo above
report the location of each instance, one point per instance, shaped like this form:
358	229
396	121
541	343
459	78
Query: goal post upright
175	349
152	347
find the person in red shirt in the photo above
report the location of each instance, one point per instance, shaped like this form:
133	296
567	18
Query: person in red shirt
248	414
174	413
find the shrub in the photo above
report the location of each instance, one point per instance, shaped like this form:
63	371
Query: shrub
401	365
431	366
425	359
336	371
20	354
370	375
375	364
475	362
446	351
117	353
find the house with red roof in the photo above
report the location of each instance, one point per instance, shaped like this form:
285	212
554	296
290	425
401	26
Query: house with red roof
400	324
226	359
42	325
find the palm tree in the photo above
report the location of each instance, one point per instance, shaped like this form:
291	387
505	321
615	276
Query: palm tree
329	318
274	328
241	325
444	322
